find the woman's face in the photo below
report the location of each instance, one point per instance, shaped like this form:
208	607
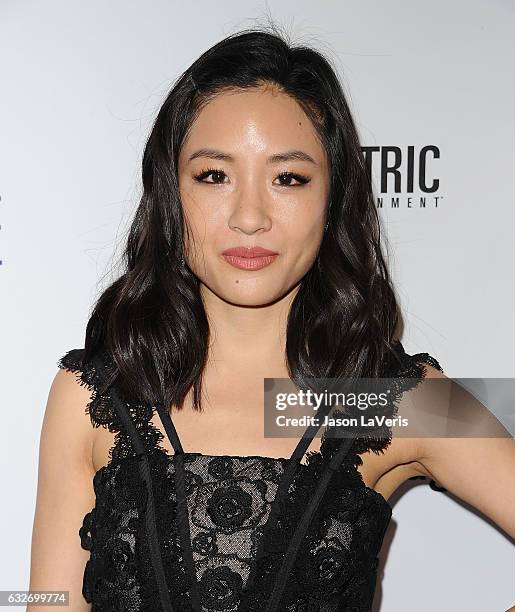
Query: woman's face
241	185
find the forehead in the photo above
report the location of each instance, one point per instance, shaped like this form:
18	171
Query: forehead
262	119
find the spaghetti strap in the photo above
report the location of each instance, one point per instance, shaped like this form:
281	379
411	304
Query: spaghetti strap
305	441
150	515
295	458
291	469
288	475
303	526
170	430
181	501
256	533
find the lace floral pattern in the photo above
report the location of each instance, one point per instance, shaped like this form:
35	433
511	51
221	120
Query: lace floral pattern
228	502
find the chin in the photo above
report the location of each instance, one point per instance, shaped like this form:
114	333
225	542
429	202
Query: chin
247	294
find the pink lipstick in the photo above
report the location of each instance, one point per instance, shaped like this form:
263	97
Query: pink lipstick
249	258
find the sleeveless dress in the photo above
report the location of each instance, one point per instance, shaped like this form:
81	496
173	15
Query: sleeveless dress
202	533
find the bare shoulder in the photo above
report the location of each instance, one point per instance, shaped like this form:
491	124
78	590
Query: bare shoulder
65	413
64	491
432	450
401	460
478	469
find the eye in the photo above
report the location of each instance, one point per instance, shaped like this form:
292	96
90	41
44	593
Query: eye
205	173
287	176
218	176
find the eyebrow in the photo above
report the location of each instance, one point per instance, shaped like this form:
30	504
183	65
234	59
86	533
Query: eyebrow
292	155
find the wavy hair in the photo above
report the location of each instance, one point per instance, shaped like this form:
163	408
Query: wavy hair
151	320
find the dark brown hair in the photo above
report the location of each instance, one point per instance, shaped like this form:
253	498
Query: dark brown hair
342	322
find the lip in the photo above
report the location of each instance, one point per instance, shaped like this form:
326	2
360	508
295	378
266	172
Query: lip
243	251
249	258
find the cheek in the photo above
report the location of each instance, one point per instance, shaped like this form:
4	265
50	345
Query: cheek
305	208
305	220
201	213
207	226
303	240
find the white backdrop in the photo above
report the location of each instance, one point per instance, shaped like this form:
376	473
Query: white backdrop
81	83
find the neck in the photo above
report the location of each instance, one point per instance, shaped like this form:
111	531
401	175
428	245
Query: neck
244	337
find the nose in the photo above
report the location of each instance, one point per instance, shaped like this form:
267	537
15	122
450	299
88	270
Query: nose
250	213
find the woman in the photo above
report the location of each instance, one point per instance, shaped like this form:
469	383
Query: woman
254	253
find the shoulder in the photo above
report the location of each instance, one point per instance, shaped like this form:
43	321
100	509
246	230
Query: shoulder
84	372
410	370
473	446
66	427
452	449
93	377
65	489
87	376
74	379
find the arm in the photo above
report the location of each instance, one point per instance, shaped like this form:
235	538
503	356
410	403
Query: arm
64	494
480	471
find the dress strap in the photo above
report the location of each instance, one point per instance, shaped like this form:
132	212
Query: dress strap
169	426
303	525
291	469
181	501
295	458
150	513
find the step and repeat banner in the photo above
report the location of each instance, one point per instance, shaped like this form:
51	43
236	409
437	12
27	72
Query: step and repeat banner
432	90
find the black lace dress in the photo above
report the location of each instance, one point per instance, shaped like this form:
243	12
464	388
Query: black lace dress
194	532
